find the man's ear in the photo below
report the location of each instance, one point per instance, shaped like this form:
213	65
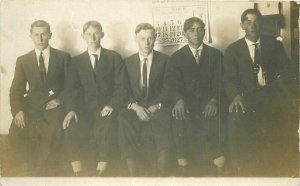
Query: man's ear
242	26
102	35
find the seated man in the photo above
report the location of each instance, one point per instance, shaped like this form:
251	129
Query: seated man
251	81
143	133
97	90
38	112
193	86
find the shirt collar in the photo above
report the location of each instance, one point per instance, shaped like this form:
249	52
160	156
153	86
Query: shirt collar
200	48
251	43
149	57
46	51
97	52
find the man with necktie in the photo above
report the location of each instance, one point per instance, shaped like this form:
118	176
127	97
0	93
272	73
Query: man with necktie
194	89
37	105
97	90
251	77
144	131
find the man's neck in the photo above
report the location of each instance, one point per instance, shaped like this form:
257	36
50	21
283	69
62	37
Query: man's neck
195	46
253	39
144	54
93	49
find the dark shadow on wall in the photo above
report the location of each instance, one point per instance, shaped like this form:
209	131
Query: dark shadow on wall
224	34
118	32
68	37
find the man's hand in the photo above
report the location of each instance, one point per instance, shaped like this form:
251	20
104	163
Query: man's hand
236	103
106	111
142	112
53	104
154	108
69	118
211	108
180	110
19	119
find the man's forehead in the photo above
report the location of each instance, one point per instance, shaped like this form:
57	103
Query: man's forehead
40	29
93	28
196	25
250	16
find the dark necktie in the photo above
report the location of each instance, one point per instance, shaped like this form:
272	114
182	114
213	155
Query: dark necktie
145	79
256	63
42	68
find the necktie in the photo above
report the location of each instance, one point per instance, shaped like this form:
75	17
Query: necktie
96	61
197	57
145	79
256	63
42	68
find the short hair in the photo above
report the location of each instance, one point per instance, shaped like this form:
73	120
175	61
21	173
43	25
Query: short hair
40	23
190	21
250	11
92	23
144	26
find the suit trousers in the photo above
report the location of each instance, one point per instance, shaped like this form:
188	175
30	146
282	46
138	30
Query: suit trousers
250	135
40	143
199	140
143	140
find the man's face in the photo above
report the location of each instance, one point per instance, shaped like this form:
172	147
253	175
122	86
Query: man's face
40	37
251	26
195	34
145	40
93	37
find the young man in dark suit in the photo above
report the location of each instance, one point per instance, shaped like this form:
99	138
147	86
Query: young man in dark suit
38	110
97	90
193	85
143	132
251	79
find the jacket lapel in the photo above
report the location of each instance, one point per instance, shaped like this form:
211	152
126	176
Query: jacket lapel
245	52
136	73
154	70
34	67
52	66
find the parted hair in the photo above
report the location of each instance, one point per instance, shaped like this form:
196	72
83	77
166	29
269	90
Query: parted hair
250	11
144	26
40	23
190	21
92	23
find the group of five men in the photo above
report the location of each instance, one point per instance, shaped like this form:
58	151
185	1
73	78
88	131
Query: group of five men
150	107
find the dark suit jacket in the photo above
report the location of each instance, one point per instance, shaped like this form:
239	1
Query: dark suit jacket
156	79
38	94
195	83
238	74
92	91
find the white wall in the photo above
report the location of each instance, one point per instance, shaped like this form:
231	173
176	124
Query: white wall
66	17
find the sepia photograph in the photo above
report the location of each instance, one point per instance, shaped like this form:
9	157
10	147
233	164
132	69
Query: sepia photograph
149	92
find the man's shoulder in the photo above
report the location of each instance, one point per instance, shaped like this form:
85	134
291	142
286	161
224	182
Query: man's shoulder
236	45
59	52
109	52
180	51
212	50
161	56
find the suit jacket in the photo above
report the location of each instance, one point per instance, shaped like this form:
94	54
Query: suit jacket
238	74
91	91
39	93
156	79
195	83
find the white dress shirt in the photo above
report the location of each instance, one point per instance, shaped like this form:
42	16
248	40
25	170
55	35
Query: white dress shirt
46	56
149	63
251	47
92	58
199	50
